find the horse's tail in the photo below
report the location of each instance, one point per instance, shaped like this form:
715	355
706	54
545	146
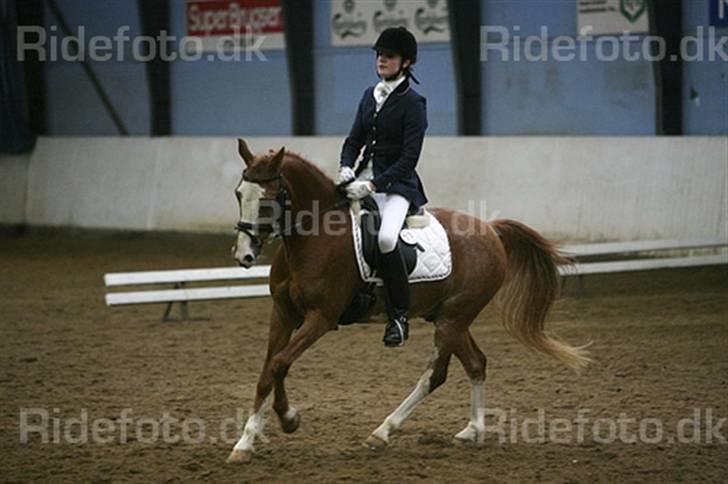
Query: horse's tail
531	286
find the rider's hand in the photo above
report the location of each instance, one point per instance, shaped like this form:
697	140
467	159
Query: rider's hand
345	175
359	189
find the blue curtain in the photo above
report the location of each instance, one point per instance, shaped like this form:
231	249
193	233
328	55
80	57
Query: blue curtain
15	133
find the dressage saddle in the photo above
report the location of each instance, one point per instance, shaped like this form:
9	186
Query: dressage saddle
370	221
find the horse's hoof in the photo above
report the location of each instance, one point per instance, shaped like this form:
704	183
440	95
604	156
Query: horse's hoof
290	426
462	441
239	457
375	443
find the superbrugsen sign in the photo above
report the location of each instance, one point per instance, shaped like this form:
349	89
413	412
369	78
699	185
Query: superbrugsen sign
224	25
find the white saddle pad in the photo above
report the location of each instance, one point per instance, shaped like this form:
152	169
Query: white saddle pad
434	264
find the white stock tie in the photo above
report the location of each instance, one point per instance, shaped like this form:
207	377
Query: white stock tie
381	93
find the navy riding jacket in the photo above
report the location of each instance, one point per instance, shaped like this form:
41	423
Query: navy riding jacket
392	141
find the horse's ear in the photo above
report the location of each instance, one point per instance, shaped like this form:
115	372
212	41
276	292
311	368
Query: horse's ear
245	151
277	160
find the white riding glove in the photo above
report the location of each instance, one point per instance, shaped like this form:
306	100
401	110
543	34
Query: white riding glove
345	175
359	189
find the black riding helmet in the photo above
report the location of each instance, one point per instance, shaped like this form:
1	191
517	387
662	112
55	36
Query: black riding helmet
398	40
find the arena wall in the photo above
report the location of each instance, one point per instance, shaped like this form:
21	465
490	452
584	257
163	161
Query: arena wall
572	189
13	184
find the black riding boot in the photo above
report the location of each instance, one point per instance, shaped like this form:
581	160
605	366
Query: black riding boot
396	290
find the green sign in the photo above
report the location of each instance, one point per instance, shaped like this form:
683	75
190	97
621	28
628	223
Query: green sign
632	9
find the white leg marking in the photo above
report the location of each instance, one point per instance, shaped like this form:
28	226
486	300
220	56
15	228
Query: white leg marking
395	419
290	414
253	428
475	430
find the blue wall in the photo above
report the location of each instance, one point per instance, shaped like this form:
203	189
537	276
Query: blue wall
208	98
705	84
343	73
73	106
215	97
254	98
522	97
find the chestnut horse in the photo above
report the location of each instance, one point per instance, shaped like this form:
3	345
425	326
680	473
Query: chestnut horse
314	276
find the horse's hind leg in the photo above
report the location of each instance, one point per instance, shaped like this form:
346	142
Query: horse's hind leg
433	377
473	361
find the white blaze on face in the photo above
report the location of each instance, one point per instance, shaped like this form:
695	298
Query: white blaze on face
249	196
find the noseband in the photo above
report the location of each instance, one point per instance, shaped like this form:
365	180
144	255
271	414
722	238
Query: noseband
277	227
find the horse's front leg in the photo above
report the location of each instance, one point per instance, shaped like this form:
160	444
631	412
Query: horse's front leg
279	336
274	373
314	326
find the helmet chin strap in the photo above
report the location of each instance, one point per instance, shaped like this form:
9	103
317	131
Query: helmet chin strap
396	75
407	73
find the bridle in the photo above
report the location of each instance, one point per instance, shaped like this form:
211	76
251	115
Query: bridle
277	228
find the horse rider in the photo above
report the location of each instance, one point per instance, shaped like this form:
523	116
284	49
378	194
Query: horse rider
390	125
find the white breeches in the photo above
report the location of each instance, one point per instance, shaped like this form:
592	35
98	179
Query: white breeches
393	208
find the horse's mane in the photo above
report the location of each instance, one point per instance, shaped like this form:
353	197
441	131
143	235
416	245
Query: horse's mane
309	165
